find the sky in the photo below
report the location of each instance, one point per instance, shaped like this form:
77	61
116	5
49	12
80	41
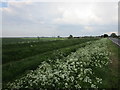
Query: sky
51	19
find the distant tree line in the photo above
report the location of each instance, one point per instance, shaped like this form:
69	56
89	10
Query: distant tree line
114	35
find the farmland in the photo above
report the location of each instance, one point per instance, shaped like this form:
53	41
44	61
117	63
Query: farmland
58	63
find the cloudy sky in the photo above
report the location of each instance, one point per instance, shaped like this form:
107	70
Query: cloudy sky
28	18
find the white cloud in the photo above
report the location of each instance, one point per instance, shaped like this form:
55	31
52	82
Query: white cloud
21	11
67	18
19	4
90	28
77	16
8	10
87	14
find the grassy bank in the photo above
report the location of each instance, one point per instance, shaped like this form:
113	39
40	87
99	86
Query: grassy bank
84	68
114	72
15	69
15	52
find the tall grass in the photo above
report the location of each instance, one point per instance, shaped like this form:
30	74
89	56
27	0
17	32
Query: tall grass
13	70
15	52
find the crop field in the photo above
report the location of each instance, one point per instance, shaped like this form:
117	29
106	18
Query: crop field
59	63
28	39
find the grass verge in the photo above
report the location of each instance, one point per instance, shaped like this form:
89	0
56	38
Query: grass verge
113	73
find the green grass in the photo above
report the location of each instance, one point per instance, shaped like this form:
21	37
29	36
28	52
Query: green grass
16	69
15	52
95	50
25	39
115	66
112	72
32	57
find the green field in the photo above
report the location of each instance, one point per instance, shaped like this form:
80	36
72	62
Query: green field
28	39
58	63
